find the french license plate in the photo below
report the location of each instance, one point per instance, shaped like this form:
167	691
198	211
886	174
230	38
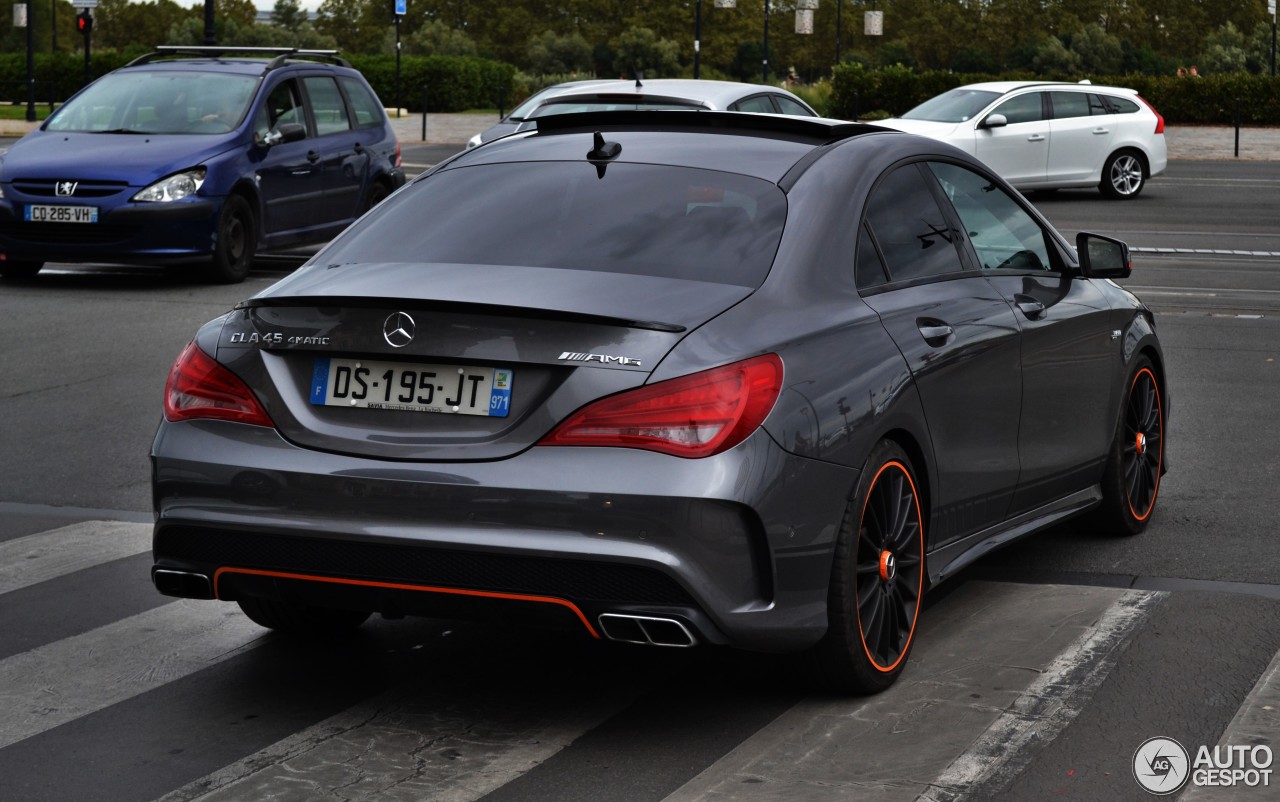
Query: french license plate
61	214
411	387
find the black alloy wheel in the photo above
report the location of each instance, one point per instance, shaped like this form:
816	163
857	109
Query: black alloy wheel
1143	444
878	580
1131	480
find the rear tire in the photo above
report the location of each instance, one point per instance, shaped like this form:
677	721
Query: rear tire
1131	480
1123	176
877	580
20	271
300	619
237	238
377	194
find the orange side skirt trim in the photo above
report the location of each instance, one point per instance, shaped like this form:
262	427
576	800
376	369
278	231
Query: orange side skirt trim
397	586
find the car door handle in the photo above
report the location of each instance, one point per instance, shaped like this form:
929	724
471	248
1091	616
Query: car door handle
1030	307
1102	130
1036	138
312	156
935	332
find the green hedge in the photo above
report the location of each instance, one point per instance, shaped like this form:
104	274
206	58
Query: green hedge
454	83
1207	100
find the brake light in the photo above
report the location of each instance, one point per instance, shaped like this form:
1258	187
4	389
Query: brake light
199	387
1159	116
398	163
693	416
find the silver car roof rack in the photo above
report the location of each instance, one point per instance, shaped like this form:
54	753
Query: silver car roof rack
280	54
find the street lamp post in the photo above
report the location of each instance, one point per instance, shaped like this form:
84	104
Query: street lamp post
697	38
765	59
31	64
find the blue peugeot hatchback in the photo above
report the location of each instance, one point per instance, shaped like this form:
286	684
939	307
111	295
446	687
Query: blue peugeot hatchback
193	155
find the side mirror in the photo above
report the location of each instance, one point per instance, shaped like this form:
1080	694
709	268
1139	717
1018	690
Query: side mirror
995	121
1102	257
287	132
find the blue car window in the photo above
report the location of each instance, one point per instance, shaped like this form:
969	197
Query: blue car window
365	107
327	106
159	101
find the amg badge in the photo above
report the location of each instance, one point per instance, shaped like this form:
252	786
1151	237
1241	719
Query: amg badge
602	358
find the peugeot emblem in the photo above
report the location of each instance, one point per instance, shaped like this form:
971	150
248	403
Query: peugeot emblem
398	329
65	189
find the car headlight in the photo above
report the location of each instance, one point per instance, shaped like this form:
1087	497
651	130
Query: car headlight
175	187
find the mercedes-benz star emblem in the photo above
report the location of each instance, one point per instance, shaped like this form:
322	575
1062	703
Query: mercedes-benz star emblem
398	329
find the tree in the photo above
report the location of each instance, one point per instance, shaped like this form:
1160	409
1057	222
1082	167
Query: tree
640	49
435	38
288	15
1053	58
552	54
1100	52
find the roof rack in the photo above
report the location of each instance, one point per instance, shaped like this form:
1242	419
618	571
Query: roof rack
281	54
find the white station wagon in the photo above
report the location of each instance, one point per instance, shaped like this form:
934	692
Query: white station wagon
1043	136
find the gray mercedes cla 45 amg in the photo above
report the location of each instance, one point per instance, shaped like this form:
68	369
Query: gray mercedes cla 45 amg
663	378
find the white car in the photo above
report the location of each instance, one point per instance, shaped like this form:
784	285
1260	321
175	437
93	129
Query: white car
1044	135
658	94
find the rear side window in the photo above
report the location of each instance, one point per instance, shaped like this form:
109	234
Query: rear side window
789	106
638	219
327	107
759	103
910	228
1120	105
1076	104
364	106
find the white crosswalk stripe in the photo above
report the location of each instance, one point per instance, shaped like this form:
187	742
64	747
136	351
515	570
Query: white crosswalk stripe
970	708
73	677
38	558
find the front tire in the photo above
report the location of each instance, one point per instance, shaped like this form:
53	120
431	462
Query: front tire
1123	176
1131	480
236	241
300	619
877	580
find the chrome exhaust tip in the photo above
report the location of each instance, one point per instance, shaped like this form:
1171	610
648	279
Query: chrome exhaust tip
646	630
183	584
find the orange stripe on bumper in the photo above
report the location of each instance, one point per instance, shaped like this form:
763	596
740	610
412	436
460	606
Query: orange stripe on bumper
397	586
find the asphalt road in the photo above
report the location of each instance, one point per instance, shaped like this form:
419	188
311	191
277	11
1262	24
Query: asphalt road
113	692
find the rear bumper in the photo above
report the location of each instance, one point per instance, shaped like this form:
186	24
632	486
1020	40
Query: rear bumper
736	547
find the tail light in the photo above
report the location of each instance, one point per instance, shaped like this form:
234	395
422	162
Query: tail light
199	387
398	163
693	416
1159	116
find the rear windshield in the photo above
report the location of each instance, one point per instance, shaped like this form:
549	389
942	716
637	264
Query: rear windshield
955	106
639	219
606	103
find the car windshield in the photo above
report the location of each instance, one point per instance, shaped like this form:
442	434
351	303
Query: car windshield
650	220
158	102
955	106
576	105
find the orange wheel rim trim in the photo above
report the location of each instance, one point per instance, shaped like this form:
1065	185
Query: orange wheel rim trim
915	615
1141	443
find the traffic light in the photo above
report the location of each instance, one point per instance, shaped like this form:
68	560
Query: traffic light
84	22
